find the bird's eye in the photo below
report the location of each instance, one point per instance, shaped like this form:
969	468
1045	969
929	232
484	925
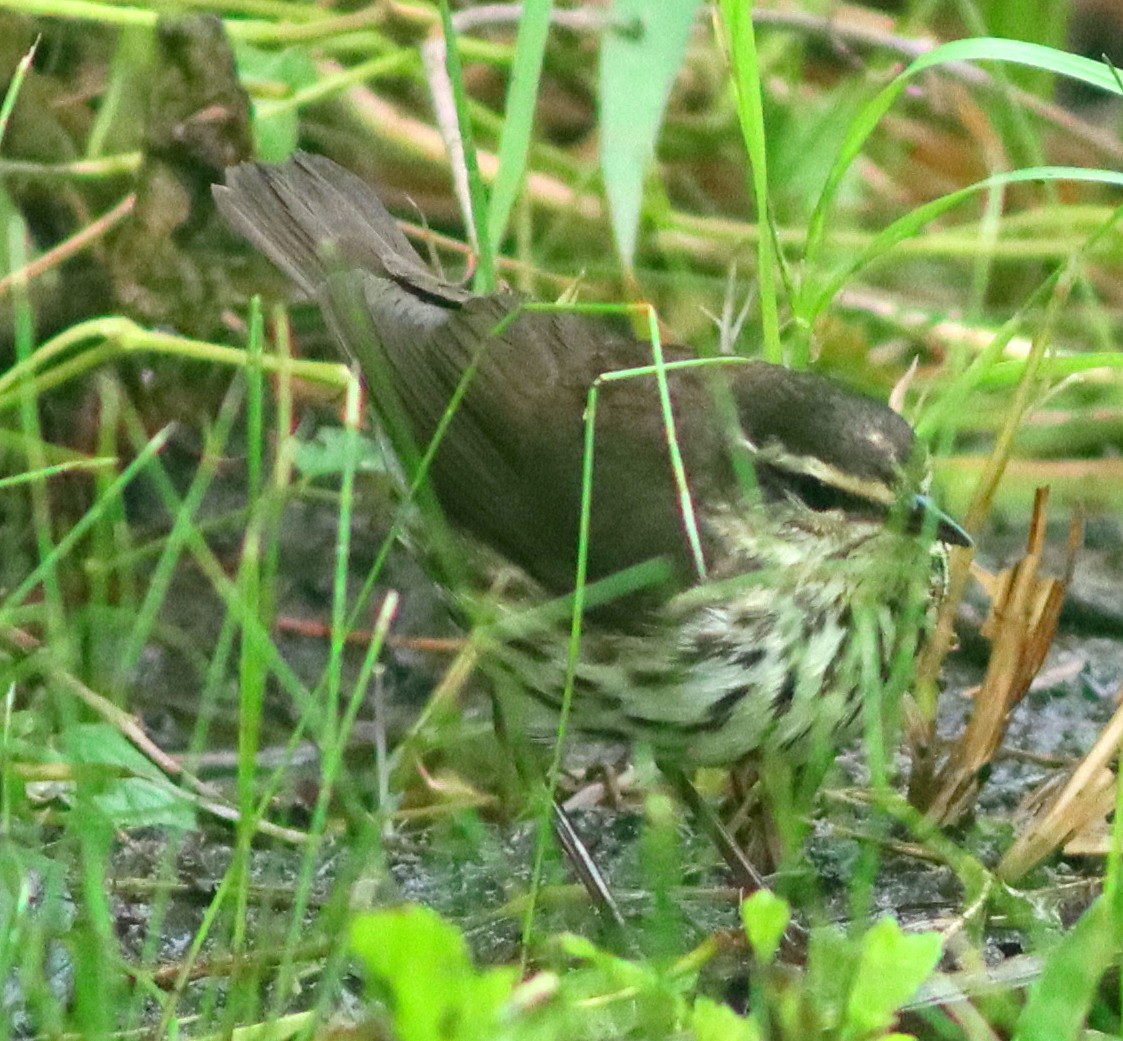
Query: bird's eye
820	496
816	494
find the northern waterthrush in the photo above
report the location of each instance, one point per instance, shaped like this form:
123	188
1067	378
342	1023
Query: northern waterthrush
754	636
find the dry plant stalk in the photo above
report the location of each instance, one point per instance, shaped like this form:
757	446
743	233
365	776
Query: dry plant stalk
929	787
1084	801
1021	626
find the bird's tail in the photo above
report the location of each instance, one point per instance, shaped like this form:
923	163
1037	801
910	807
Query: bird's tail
311	218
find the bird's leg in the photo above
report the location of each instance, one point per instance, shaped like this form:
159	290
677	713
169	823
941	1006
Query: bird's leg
745	875
748	819
581	860
793	946
574	850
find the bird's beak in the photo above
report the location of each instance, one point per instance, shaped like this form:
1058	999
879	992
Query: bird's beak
947	530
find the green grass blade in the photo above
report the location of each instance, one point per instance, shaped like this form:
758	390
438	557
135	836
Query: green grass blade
911	223
514	138
746	77
1058	1005
1093	73
485	272
640	57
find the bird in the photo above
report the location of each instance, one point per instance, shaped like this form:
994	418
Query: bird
776	525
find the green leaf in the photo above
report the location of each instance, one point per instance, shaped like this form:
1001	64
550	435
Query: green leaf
419	965
11	217
639	975
1032	21
765	916
1059	1002
145	799
892	966
99	744
276	123
575	946
136	803
640	57
328	454
518	118
713	1021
